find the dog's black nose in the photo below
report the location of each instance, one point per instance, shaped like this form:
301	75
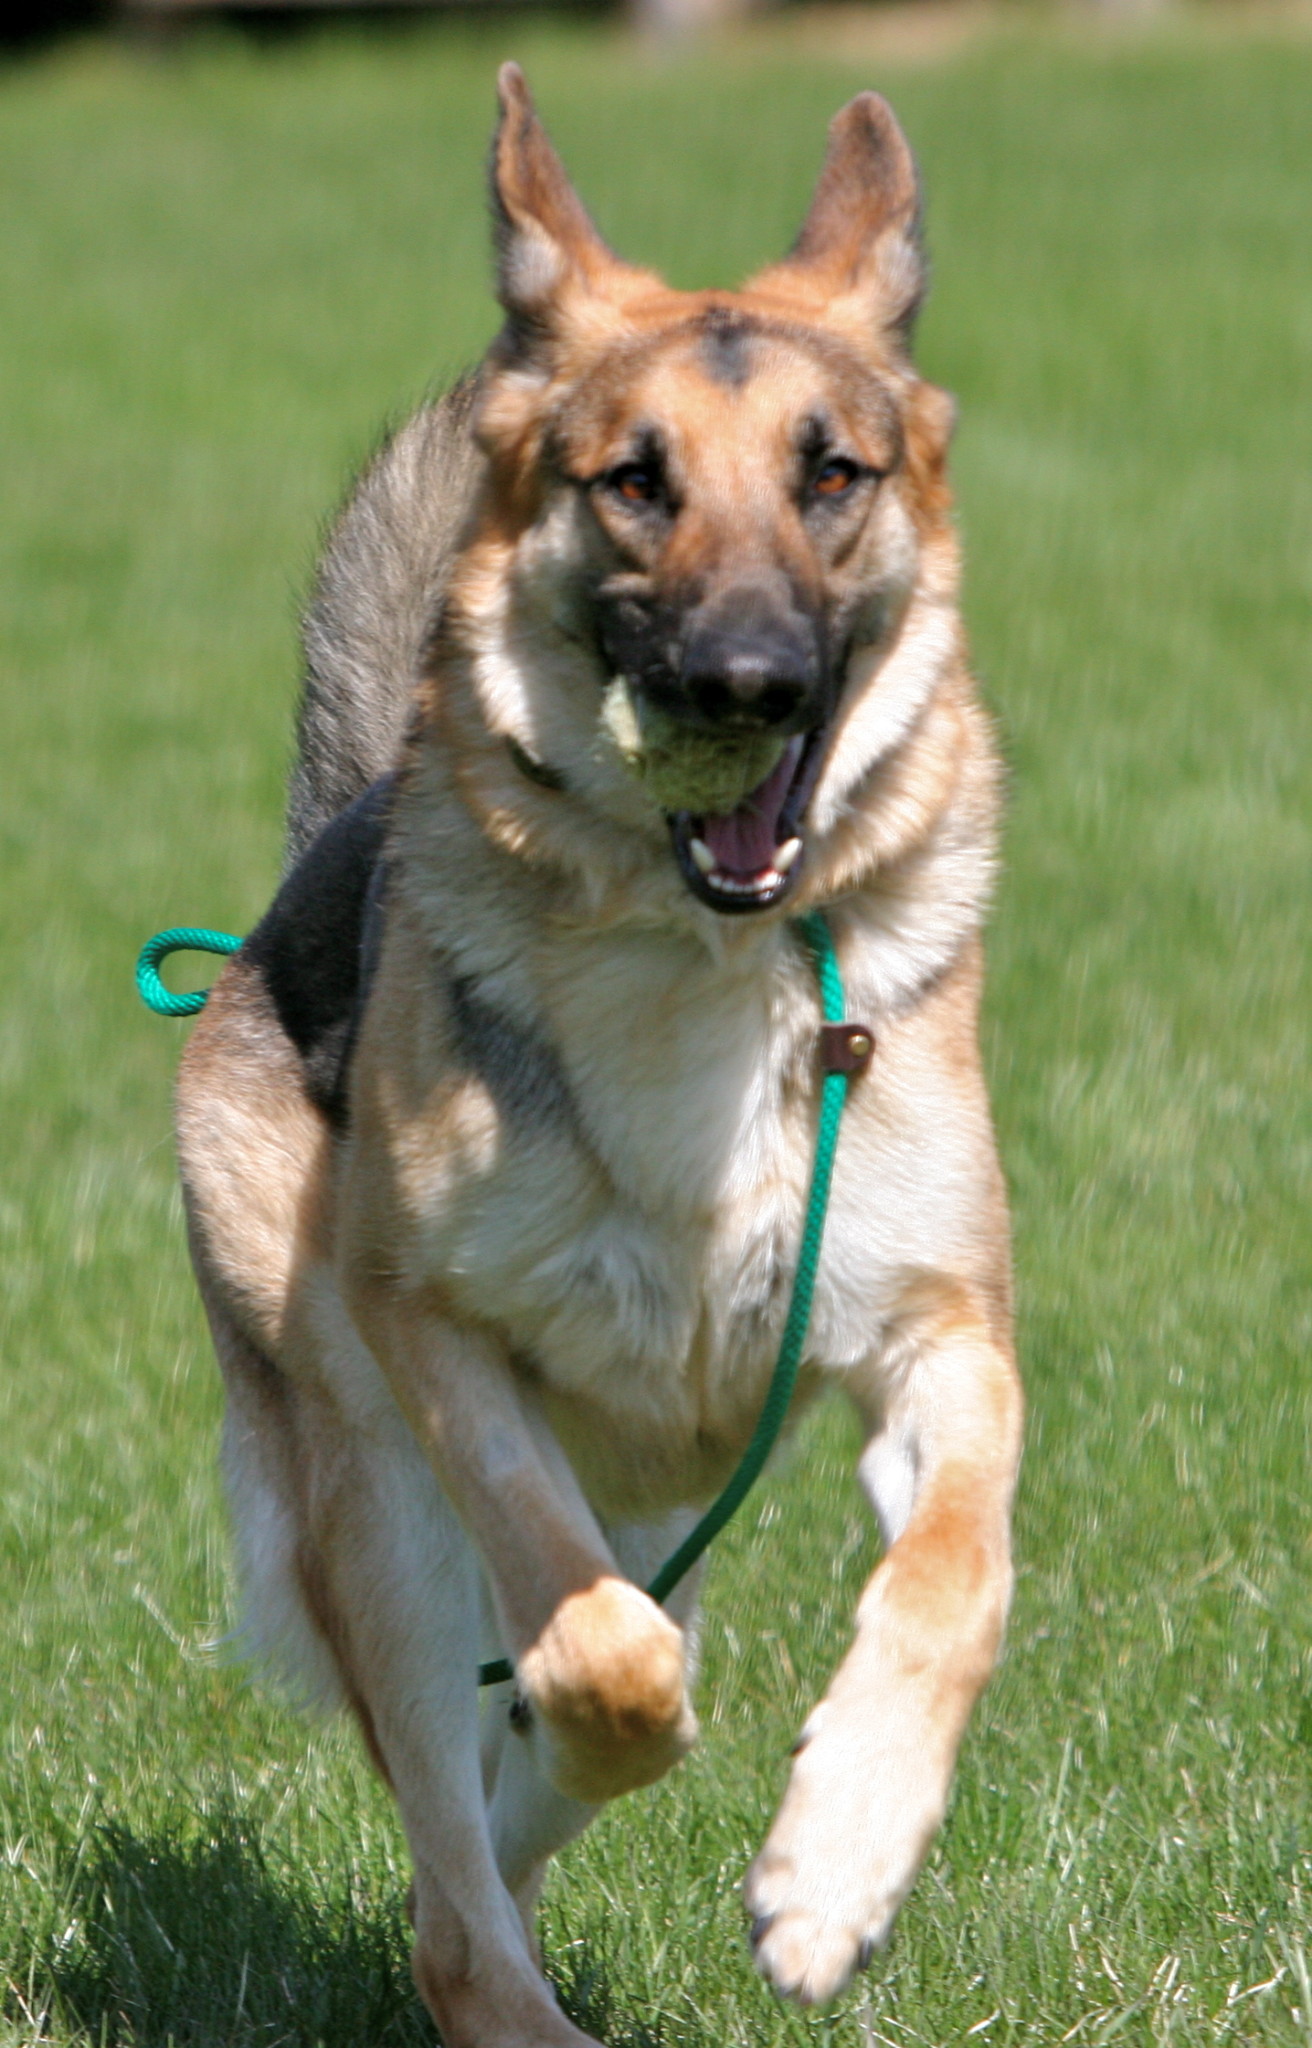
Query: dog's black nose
749	662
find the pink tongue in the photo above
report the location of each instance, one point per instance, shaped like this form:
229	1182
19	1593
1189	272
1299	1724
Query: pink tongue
744	840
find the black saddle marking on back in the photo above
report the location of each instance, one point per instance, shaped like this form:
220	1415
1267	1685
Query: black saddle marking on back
316	947
316	951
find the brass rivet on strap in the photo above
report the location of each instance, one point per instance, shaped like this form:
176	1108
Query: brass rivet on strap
846	1048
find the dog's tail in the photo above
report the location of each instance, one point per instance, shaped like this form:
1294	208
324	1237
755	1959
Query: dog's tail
376	602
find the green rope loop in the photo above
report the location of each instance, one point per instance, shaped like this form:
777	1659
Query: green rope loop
833	1095
815	932
182	938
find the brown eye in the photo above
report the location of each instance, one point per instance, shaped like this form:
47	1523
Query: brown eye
837	476
636	482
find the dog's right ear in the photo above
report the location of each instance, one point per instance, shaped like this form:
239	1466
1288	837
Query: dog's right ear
550	259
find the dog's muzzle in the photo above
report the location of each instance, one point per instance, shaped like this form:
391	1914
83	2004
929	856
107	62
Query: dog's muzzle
747	663
753	662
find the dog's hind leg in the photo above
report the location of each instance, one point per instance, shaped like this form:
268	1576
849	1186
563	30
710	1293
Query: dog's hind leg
528	1818
394	1584
360	1583
260	1470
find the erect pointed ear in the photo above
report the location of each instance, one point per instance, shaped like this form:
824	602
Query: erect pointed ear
550	258
859	247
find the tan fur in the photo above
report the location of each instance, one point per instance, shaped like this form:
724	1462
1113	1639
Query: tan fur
607	1675
487	1357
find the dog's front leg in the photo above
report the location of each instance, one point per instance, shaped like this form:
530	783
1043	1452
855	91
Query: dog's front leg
874	1764
600	1667
529	1820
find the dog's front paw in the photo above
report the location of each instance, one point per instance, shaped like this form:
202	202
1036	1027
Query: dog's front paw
604	1684
805	1957
844	1851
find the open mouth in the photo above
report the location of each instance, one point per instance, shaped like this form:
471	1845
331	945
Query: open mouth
750	858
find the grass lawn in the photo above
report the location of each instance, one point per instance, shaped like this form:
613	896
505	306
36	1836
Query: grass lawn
221	270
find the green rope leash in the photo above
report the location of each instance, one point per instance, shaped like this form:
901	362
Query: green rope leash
180	938
833	1095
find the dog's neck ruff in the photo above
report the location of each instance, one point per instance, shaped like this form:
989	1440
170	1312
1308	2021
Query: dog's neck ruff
845	1050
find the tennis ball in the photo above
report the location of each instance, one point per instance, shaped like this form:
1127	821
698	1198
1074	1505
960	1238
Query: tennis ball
685	771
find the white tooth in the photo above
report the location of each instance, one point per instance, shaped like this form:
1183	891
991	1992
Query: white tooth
702	856
785	855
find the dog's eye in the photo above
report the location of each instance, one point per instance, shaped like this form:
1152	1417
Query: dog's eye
638	483
835	477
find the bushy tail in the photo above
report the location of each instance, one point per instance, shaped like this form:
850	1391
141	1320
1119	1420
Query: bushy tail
376	601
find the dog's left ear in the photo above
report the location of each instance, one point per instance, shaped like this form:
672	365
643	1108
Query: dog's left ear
551	262
859	250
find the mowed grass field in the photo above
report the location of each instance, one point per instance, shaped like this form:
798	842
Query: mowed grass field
221	271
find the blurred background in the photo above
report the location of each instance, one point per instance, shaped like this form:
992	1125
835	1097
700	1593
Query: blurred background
234	244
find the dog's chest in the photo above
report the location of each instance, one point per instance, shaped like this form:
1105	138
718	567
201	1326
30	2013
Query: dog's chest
636	1236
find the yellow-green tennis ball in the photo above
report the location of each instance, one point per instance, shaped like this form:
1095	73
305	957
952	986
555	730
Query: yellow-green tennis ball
685	771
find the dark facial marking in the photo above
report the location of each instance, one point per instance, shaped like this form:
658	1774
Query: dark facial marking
640	483
727	349
813	439
533	770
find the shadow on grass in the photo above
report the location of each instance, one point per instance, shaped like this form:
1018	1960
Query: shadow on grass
203	1941
176	1942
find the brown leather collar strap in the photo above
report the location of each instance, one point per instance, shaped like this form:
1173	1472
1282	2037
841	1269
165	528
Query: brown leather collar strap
845	1048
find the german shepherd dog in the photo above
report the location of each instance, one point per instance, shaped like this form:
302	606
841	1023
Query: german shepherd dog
496	1134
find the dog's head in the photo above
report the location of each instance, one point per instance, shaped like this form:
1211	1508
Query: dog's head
717	506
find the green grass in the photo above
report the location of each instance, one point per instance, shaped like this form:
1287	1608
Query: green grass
221	271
